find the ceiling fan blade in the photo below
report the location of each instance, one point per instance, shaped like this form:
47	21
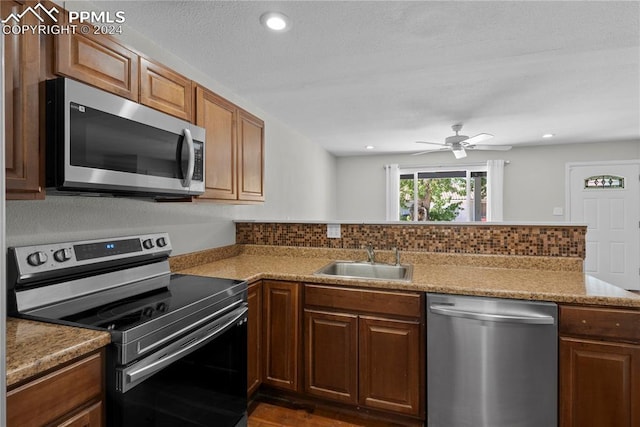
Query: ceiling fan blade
430	151
435	144
477	138
489	147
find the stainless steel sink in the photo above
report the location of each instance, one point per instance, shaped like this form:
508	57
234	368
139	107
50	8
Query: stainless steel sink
367	270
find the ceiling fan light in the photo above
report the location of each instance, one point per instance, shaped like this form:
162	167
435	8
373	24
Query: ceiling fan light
459	153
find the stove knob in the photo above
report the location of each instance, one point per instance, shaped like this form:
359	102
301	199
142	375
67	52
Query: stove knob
62	255
148	243
37	258
161	242
161	307
147	312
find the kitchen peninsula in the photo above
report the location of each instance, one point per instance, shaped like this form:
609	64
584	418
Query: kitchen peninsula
286	298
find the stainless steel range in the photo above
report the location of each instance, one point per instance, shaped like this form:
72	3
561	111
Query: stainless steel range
178	352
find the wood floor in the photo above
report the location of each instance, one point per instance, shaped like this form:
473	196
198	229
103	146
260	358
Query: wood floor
269	415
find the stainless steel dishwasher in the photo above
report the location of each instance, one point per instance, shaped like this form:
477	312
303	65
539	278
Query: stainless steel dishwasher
491	362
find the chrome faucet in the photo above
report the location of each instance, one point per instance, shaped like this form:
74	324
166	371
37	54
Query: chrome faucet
397	252
371	256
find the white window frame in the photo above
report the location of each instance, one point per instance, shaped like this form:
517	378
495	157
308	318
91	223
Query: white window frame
415	170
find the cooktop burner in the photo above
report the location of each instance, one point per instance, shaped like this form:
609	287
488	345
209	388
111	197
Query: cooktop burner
126	312
182	293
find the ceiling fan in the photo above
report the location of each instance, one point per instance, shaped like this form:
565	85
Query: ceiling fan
458	144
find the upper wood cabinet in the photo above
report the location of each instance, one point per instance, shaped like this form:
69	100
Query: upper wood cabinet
250	157
24	142
599	367
218	117
165	90
102	62
234	151
99	61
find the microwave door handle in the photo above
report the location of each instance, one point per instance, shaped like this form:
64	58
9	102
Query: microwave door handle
186	181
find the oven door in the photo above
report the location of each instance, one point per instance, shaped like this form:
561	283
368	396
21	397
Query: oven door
198	380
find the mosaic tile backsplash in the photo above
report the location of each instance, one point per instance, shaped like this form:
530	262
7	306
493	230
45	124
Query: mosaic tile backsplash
526	240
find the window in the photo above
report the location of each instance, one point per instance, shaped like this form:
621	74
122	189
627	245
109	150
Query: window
457	195
443	195
447	193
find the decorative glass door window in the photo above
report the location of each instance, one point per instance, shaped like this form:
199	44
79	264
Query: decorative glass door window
604	181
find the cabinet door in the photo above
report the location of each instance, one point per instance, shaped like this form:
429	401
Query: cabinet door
599	384
391	366
331	355
24	153
98	61
57	394
165	90
281	334
250	157
254	337
217	116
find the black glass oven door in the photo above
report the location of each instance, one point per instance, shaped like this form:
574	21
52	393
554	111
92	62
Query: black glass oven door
206	385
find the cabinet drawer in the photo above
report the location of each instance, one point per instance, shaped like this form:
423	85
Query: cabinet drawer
49	398
89	417
405	304
613	324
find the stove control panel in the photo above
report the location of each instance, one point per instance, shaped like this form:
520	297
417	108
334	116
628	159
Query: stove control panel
31	261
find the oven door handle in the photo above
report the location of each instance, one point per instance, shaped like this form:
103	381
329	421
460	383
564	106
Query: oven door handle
187	347
158	343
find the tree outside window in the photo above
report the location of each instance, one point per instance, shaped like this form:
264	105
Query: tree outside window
443	196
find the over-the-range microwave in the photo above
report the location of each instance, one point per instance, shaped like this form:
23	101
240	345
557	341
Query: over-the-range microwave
101	143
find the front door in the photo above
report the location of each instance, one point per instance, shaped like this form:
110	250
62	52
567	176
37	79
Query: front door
606	196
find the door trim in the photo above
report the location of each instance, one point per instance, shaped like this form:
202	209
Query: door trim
569	166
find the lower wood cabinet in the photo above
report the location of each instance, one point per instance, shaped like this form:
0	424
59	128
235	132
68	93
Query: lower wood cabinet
355	355
70	396
331	355
281	308
254	337
390	369
599	367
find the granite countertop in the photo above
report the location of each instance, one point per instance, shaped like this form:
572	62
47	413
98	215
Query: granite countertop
35	347
507	280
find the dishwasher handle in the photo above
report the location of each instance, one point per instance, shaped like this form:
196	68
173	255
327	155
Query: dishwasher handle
446	310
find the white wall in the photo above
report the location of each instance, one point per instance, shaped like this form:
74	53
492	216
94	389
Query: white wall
299	184
533	180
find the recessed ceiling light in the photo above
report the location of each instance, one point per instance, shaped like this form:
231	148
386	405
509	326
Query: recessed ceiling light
369	147
275	21
548	135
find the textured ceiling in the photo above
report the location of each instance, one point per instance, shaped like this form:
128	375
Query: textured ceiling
388	73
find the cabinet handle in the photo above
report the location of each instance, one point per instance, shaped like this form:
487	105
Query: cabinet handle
447	311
